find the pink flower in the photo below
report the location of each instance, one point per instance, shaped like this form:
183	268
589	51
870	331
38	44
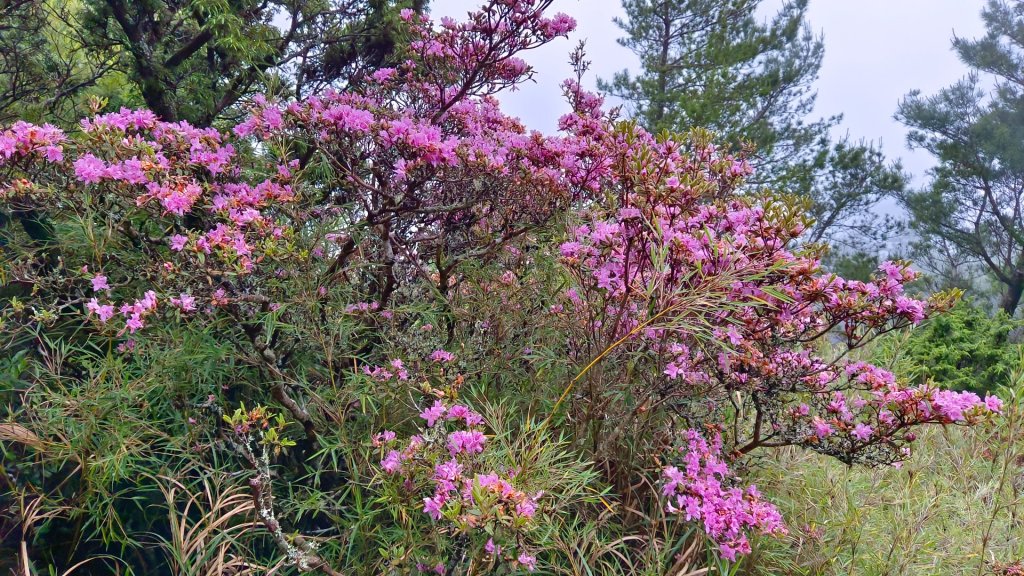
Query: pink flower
526	509
148	301
440	356
994	404
892	270
103	312
185	302
392	463
134	323
701	494
560	25
89	169
433	413
527	561
432	506
672	370
570	249
728	551
99	282
460	412
629	212
861	432
491	548
822	428
468	442
54	153
178	242
383	438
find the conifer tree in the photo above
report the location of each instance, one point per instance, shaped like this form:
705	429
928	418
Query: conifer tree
716	64
975	199
713	64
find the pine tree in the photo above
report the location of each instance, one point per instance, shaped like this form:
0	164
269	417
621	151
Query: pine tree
714	64
975	199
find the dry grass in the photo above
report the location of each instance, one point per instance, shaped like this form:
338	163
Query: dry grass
210	525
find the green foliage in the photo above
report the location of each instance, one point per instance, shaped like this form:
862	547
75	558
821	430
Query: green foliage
188	60
47	74
843	184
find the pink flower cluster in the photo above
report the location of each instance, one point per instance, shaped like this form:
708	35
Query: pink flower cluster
28	141
182	169
396	369
700	491
442	356
408	140
448	455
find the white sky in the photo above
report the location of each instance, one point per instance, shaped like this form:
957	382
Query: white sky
875	52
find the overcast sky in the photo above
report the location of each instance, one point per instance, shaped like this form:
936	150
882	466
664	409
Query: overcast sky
875	52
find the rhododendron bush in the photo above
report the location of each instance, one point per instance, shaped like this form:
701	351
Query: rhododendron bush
463	343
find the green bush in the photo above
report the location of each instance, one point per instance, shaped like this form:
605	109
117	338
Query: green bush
965	349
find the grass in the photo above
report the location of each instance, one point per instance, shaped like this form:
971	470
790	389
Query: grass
955	508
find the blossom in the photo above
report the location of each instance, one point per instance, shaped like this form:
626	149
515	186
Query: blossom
994	404
99	282
185	302
861	432
392	463
701	494
527	561
178	242
89	169
460	412
433	505
892	270
441	356
821	428
463	441
526	508
103	311
432	414
672	370
54	153
134	323
383	438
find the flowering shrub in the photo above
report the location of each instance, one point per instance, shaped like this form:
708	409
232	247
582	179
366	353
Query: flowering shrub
446	460
640	262
619	288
